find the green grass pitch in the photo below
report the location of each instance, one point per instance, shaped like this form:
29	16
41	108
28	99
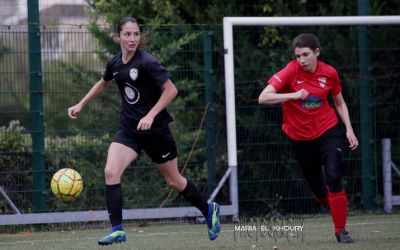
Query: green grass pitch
368	232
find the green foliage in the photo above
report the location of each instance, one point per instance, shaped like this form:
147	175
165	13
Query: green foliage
15	163
174	31
86	154
102	113
167	44
13	84
4	51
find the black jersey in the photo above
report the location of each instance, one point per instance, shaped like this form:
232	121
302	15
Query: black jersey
139	82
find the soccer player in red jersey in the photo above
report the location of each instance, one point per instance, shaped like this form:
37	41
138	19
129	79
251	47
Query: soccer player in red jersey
311	124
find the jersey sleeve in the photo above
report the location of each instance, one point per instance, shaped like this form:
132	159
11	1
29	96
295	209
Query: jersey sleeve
107	75
337	86
282	77
157	72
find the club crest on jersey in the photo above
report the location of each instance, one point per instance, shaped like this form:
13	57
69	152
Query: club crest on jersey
322	82
133	73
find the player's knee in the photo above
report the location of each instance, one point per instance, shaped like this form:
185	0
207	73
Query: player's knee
333	171
177	184
334	181
110	173
172	184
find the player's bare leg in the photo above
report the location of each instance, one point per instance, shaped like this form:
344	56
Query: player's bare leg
118	159
188	190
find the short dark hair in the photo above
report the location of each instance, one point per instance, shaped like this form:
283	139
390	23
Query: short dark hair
306	40
125	20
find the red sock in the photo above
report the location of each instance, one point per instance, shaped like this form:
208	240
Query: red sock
338	206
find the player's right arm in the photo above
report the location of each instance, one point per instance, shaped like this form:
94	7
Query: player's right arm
97	89
270	96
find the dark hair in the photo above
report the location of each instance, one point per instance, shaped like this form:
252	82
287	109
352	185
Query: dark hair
143	39
125	20
306	40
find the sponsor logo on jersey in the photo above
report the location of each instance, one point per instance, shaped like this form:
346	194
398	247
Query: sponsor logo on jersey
313	102
133	73
132	94
322	81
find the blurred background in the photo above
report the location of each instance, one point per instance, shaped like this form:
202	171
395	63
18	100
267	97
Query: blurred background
48	66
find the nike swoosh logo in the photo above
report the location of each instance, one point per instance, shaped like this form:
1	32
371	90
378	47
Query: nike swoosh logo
299	82
115	73
277	78
163	156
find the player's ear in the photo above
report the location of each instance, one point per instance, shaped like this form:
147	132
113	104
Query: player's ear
116	37
317	51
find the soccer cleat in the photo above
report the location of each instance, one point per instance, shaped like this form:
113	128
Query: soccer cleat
212	220
114	237
343	236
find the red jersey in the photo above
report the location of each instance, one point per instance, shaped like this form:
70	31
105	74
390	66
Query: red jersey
309	118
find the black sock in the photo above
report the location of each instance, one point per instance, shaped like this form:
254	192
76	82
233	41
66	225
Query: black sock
192	194
114	203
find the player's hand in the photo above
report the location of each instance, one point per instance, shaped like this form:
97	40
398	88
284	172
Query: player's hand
145	123
352	139
301	94
74	111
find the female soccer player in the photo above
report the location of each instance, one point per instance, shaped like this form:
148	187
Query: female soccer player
146	90
312	126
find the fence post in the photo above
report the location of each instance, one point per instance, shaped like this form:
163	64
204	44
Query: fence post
387	175
36	107
210	120
366	112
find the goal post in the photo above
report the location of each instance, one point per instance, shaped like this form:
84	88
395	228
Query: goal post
389	200
228	24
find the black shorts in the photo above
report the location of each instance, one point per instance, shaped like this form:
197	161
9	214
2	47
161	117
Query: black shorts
327	151
159	146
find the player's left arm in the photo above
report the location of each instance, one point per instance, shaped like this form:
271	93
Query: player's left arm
343	111
169	93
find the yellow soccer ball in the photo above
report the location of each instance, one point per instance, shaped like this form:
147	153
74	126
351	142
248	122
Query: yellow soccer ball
66	184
